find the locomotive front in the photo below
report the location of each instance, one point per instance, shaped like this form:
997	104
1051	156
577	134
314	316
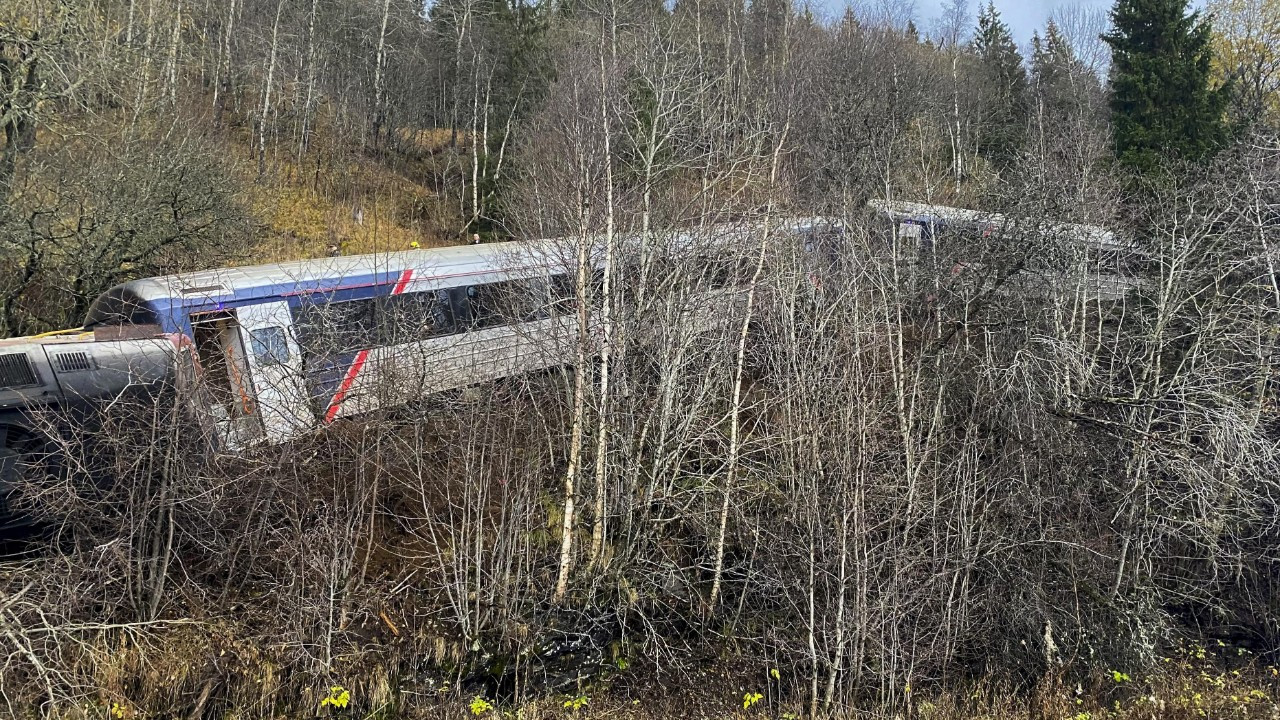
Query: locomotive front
51	386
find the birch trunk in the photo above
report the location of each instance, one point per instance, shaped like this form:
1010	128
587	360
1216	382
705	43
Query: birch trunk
305	141
222	78
579	402
606	312
735	408
174	43
379	69
266	92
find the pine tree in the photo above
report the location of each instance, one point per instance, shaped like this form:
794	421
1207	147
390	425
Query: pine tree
1004	87
767	21
1162	103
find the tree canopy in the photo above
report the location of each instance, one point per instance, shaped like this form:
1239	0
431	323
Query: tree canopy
1003	86
1246	50
1163	102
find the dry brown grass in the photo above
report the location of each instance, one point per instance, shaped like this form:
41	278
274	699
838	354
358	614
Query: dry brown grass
239	677
349	200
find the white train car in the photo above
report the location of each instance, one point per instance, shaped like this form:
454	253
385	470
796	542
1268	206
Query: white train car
286	348
279	350
1111	259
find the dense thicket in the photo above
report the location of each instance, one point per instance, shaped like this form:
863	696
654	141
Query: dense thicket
936	464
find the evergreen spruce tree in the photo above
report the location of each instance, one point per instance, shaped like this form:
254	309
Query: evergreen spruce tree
1162	104
1059	80
1003	87
1052	60
767	22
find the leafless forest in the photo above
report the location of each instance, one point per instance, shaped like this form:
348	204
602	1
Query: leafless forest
936	482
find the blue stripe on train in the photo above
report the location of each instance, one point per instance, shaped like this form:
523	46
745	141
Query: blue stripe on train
175	312
321	376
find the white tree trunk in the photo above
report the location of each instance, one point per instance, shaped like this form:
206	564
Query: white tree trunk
735	407
266	92
305	141
606	312
378	70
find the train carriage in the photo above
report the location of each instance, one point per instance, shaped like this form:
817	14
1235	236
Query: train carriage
1111	262
284	348
274	351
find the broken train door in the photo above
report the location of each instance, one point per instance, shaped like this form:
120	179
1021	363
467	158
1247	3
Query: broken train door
275	363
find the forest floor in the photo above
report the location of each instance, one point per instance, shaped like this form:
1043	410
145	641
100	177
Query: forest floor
1185	689
1193	682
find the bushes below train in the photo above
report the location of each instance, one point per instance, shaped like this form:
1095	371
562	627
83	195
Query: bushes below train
75	451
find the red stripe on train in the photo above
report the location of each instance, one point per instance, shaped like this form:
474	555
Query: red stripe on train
343	389
405	277
361	357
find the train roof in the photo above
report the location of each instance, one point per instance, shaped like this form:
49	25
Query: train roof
1090	235
387	266
377	268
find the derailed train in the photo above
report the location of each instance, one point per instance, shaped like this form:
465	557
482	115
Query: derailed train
1111	262
275	351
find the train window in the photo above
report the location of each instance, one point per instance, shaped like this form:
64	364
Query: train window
358	324
532	301
564	295
307	324
563	291
913	234
330	329
478	308
414	316
485	305
270	347
501	303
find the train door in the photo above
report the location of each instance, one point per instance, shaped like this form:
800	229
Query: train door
276	366
227	378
